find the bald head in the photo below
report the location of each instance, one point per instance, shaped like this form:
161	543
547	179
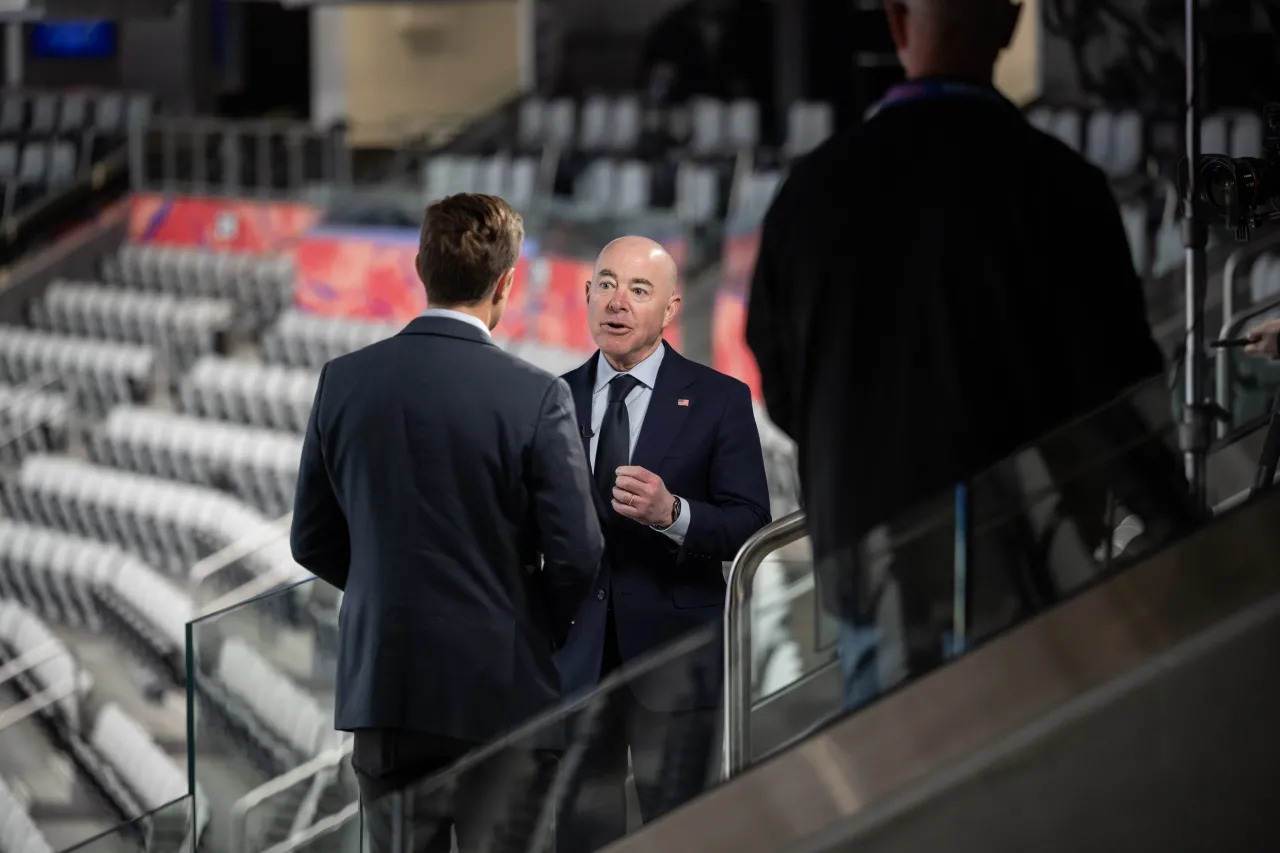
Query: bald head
951	37
631	299
642	251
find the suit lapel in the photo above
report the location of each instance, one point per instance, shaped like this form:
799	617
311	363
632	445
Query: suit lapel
666	414
582	384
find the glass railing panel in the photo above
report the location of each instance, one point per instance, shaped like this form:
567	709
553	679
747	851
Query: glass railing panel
794	636
176	827
265	756
988	554
1246	384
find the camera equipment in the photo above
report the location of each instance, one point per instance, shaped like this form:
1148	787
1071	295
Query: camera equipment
1239	192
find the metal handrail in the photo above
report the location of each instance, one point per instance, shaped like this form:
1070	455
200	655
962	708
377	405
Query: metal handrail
15	714
277	576
1237	259
737	634
319	829
1224	389
239	549
240	811
29	660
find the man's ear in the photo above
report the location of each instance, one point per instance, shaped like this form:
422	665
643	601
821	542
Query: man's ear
896	13
673	310
505	283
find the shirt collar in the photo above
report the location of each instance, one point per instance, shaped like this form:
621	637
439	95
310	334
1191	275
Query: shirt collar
646	371
457	315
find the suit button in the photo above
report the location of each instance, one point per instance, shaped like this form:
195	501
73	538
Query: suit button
600	595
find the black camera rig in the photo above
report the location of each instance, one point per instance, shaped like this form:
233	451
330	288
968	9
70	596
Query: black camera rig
1239	192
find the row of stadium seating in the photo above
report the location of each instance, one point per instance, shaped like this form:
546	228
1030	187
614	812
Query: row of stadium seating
48	140
261	287
68	113
188	328
258	466
706	126
112	748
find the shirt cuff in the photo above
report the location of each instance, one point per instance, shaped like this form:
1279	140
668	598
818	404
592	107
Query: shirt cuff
680	529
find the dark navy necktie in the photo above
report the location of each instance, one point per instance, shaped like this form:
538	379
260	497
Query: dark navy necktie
613	447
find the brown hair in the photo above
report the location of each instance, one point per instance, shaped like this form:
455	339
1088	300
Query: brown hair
468	241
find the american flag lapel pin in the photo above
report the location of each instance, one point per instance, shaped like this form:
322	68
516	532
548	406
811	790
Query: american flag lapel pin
682	402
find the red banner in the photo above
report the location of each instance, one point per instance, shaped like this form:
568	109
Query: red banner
729	351
233	225
370	274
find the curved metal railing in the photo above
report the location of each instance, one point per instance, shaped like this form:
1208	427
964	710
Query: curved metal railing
738	636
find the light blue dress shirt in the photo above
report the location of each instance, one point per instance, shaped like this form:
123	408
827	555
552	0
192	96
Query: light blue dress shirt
637	403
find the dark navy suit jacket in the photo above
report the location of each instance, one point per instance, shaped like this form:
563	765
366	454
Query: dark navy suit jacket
708	453
436	471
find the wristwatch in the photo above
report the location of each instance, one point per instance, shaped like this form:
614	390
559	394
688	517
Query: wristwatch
675	516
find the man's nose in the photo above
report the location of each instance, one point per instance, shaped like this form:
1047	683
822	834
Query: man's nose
618	301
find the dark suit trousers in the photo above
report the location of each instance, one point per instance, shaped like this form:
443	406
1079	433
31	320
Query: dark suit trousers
672	758
408	808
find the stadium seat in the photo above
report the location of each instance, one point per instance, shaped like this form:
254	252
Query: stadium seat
1246	136
245	392
259	466
710	120
742	125
808	126
697	193
18	832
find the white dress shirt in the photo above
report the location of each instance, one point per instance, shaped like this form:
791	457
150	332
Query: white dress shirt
637	403
458	315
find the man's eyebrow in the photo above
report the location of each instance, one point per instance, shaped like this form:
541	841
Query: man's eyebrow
611	274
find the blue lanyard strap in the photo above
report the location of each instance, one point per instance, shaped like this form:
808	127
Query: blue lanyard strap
930	89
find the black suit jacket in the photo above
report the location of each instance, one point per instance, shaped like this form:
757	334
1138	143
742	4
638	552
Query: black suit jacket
935	289
707	451
436	470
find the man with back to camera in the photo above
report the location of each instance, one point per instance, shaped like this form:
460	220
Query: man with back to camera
435	470
967	289
680	486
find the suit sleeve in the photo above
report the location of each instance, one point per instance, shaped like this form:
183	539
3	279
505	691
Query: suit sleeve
571	542
739	495
318	537
766	331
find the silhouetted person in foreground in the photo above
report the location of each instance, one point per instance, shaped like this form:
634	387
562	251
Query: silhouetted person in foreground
935	288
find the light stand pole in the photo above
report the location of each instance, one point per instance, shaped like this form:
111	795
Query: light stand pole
1197	415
